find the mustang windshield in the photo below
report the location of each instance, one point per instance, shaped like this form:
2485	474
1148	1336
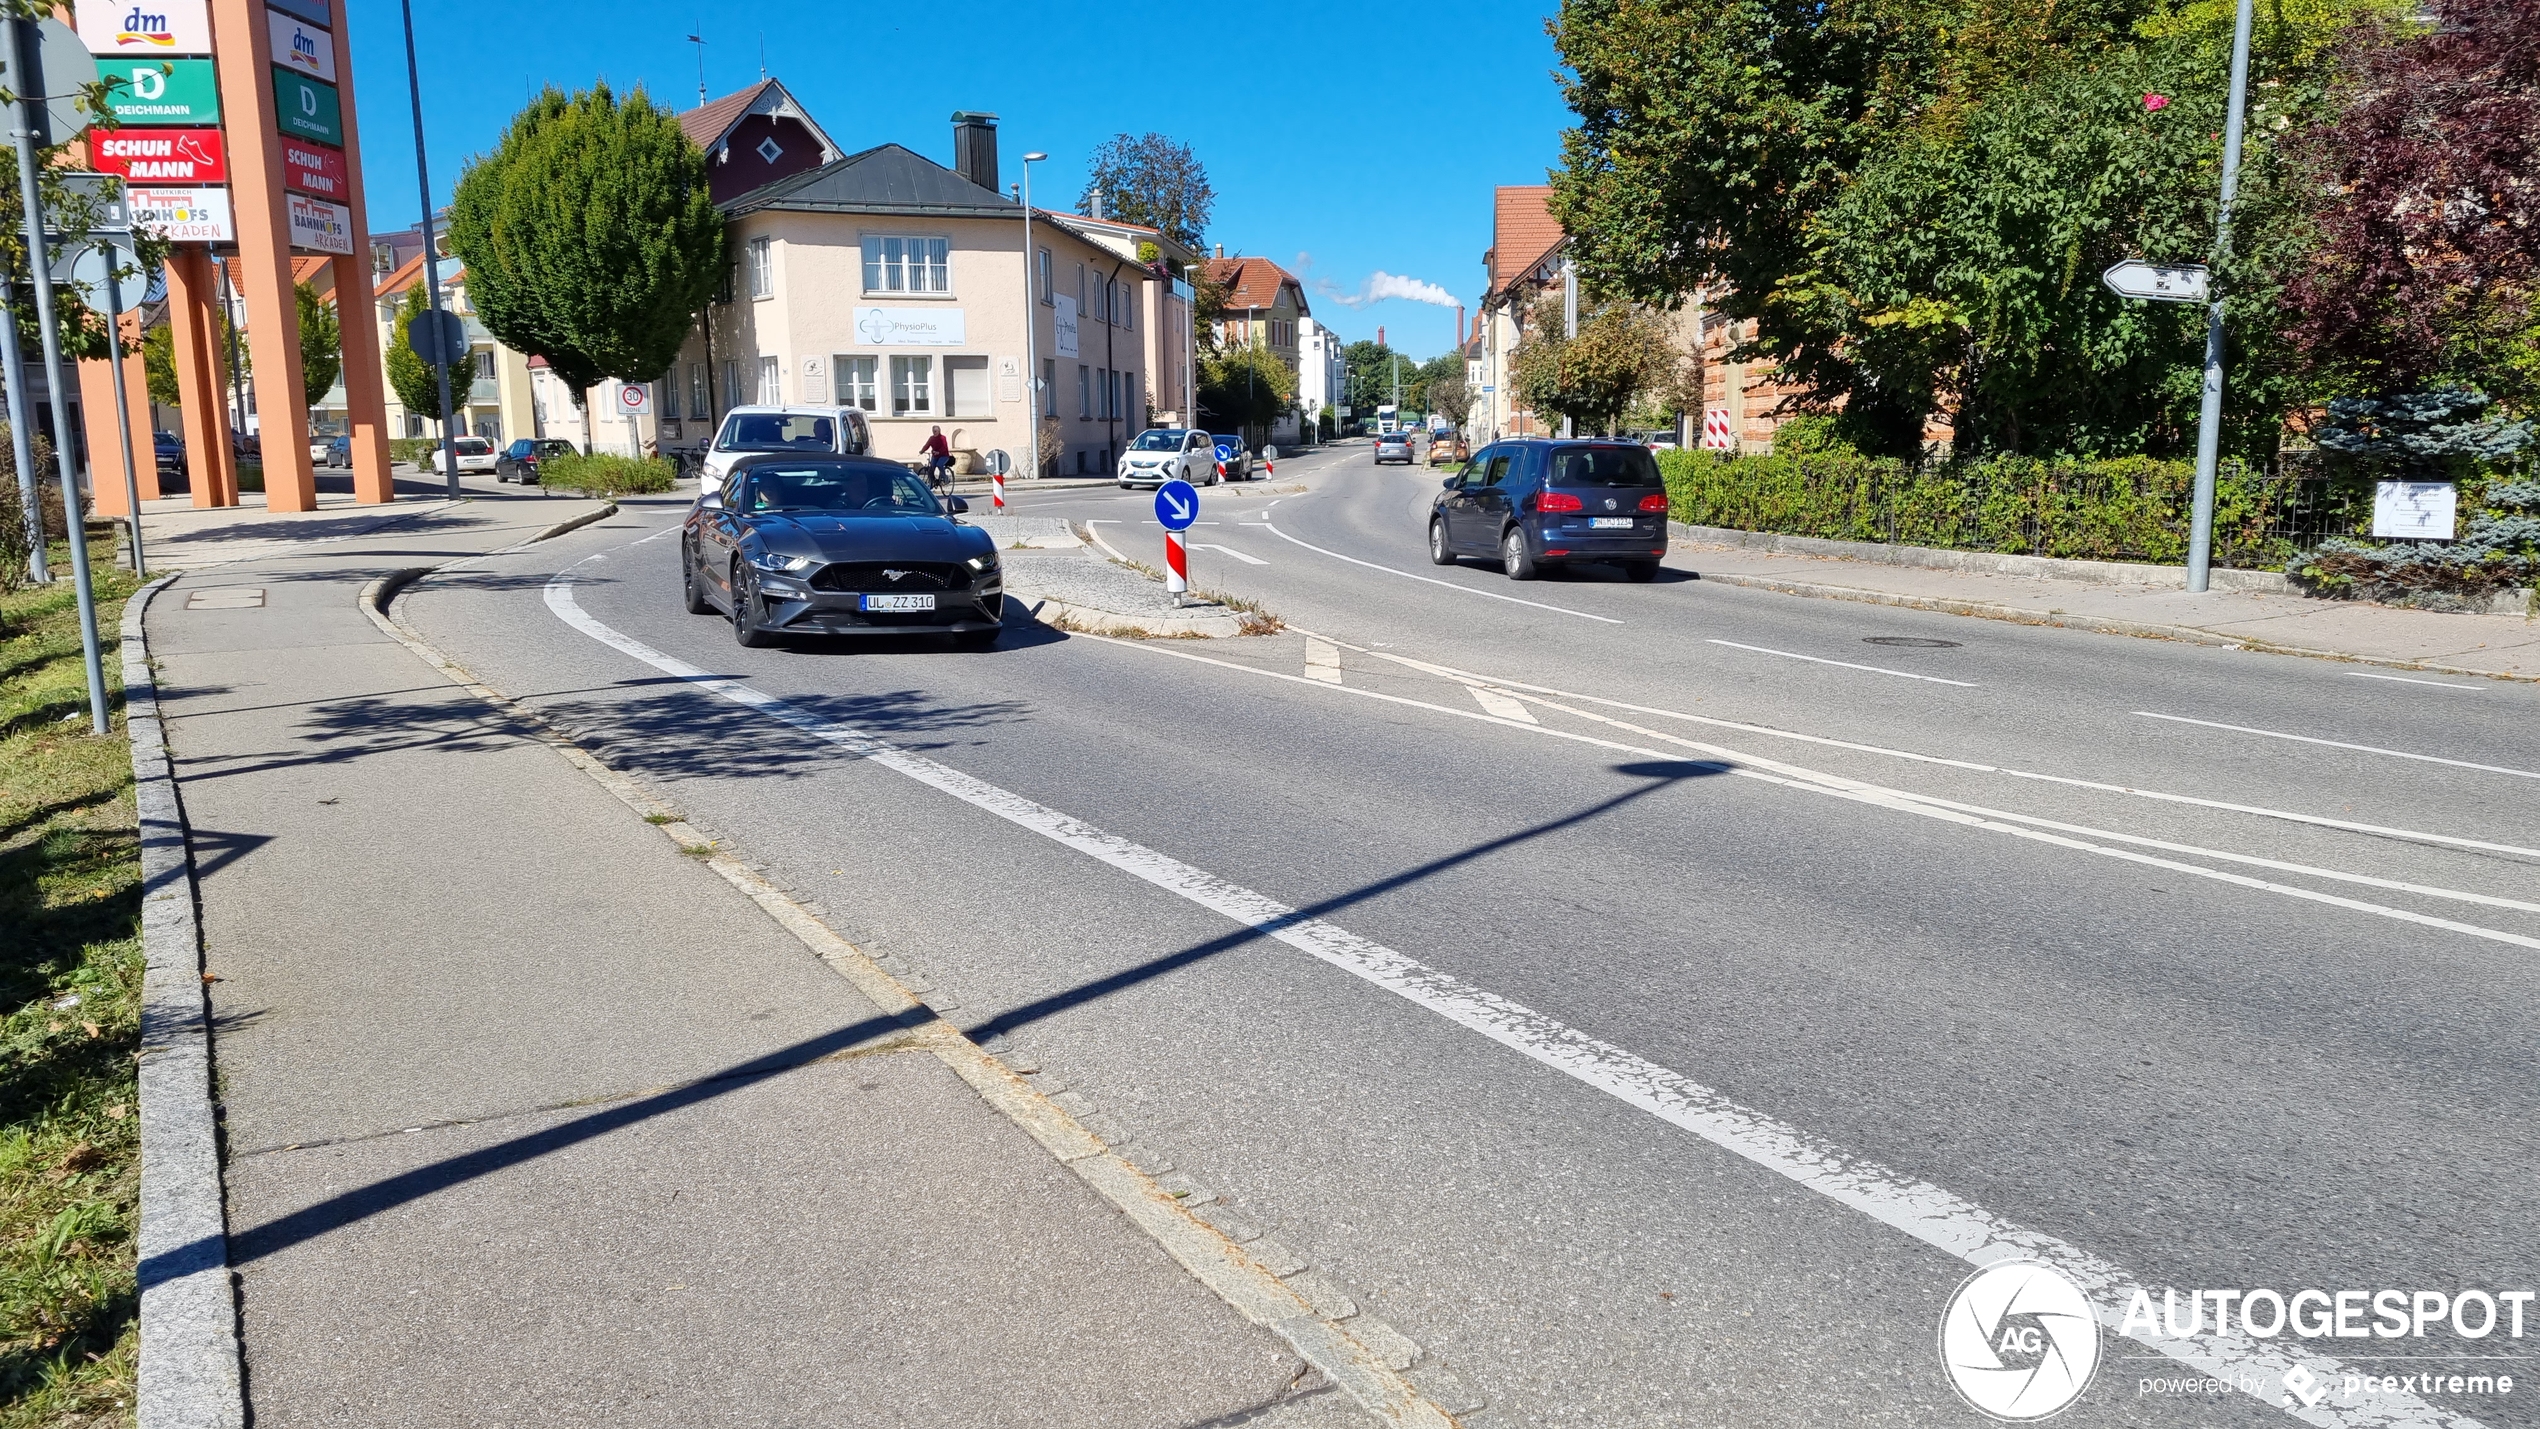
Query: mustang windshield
1158	439
839	490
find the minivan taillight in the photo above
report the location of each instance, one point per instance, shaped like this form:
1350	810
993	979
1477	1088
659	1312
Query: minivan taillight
1655	501
1559	501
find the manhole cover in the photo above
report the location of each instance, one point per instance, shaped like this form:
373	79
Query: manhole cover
1908	642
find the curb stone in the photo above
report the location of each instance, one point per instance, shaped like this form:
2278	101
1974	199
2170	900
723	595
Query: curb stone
190	1374
1162	1204
2000	563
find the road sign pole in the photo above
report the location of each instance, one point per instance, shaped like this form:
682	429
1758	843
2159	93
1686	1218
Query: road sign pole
432	259
123	411
22	443
1177	566
2200	531
41	278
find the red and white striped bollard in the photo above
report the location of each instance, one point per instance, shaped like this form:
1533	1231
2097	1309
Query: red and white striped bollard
1177	566
999	478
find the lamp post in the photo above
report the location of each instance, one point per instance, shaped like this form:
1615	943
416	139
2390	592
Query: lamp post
1031	339
432	260
2200	529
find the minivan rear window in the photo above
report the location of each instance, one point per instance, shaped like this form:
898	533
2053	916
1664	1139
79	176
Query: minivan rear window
777	432
1603	466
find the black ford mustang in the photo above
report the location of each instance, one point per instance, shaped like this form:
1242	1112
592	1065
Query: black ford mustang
821	545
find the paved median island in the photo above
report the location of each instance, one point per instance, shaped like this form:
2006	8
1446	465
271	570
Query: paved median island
1069	582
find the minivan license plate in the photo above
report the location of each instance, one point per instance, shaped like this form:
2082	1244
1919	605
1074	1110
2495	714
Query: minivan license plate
899	602
1612	523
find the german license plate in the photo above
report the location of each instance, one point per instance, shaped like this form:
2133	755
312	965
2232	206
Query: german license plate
899	602
1611	523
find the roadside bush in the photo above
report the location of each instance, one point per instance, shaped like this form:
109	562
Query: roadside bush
607	476
2124	509
2498	549
13	534
418	450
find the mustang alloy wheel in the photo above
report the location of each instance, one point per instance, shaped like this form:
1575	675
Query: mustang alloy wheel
693	593
746	611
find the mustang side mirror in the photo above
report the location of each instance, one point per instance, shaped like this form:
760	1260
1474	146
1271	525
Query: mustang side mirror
959	506
1453	481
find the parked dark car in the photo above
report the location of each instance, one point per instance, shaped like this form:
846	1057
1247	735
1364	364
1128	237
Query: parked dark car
1395	446
1537	503
839	545
1234	455
519	461
339	453
169	448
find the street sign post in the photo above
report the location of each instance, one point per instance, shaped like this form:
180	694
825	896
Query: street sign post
634	399
2156	282
97	269
1176	507
438	336
59	66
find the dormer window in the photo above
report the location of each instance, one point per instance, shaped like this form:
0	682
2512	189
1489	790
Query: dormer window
770	150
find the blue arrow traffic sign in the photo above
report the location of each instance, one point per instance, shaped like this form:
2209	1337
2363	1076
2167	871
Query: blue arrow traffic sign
1176	505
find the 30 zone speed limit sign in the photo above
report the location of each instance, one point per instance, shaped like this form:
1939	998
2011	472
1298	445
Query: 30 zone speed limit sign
634	399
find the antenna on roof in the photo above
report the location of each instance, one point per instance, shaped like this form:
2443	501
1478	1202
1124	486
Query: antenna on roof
700	42
762	55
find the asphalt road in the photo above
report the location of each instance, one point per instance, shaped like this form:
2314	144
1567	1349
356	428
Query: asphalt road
1843	965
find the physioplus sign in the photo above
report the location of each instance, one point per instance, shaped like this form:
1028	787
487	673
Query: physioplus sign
910	327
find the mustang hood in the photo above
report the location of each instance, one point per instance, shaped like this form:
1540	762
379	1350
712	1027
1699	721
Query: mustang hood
872	538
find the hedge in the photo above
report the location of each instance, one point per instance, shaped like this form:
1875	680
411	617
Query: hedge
2125	509
607	476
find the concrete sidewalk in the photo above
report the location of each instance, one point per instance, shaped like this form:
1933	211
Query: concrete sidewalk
529	1118
2493	645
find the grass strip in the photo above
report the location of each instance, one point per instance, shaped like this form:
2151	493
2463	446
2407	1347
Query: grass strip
70	999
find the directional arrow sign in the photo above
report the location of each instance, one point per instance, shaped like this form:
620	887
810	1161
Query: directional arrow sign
2134	278
1176	505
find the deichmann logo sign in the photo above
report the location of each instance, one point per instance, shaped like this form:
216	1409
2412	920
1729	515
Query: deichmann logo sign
182	215
2019	1341
910	327
315	170
317	224
156	27
304	108
301	46
162	156
169	93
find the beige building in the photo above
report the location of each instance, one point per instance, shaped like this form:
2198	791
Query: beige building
889	282
1265	307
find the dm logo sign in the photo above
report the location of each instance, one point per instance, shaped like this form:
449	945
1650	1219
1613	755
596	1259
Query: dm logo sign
2019	1341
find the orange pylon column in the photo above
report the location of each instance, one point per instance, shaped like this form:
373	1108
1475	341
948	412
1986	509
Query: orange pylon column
194	321
242	46
97	409
365	376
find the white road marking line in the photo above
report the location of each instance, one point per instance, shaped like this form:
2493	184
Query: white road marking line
1106	545
2341	744
1502	704
1322	660
1936	1217
1230	551
1846	664
1431	580
2404	680
2259	811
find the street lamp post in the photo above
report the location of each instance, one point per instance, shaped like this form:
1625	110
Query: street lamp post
1031	339
2200	530
432	260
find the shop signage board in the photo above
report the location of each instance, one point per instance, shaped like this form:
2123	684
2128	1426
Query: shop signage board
183	215
320	13
301	47
315	170
911	327
179	93
153	27
191	157
320	226
305	108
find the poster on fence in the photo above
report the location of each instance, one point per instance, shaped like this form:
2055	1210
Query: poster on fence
2419	510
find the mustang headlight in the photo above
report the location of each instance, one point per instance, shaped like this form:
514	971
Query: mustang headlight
987	562
782	565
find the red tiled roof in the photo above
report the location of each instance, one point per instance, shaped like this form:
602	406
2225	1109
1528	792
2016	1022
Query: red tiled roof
708	122
1253	282
1523	230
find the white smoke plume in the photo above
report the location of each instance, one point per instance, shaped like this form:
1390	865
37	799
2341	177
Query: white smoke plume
1382	285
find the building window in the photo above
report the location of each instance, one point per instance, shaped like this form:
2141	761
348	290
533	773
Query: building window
700	390
485	362
1084	393
769	151
1049	386
769	394
723	288
668	386
1047	291
856	381
732	382
907	265
762	268
912	386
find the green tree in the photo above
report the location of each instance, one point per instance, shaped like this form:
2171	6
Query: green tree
158	359
1624	355
1369	368
1244	387
1437	385
321	344
418	388
1153	181
589	236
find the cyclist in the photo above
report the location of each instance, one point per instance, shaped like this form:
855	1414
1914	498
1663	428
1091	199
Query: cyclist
939	462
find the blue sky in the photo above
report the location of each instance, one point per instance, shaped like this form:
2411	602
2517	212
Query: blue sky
1343	140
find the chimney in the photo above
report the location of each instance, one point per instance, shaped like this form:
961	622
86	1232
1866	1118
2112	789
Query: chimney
1221	250
975	148
1097	213
1380	334
1459	329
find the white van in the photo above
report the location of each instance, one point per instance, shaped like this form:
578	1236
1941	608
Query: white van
747	430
